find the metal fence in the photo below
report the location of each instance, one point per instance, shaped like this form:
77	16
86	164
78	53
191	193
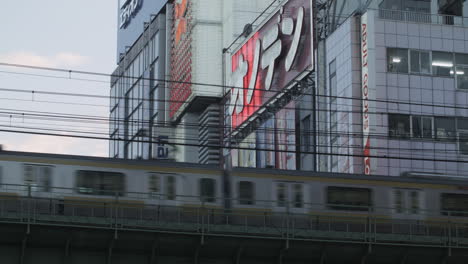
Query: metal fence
370	226
419	17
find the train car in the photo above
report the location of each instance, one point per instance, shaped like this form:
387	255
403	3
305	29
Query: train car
166	188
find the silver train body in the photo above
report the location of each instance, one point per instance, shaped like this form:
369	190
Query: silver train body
76	178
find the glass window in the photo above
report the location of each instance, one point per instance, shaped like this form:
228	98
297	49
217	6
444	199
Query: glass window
461	73
38	176
246	193
298	197
414	197
445	128
422	127
208	190
442	63
397	60
170	188
306	133
347	198
399	201
398	126
420	61
454	204
462	123
100	182
281	193
154	184
463	142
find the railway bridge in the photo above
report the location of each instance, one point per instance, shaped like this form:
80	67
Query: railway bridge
35	230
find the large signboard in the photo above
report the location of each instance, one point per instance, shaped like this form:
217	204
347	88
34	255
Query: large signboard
368	92
132	14
181	56
274	56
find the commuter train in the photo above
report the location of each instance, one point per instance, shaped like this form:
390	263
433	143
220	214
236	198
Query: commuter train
77	178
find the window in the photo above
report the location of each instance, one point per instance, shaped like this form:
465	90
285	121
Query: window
462	128
462	77
420	62
281	193
397	60
171	188
414	206
461	70
154	184
306	133
445	128
463	142
347	198
100	182
1	175
442	63
208	190
398	126
37	176
298	197
399	201
246	193
422	127
454	204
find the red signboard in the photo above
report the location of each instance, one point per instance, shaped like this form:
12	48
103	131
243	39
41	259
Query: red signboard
181	57
274	56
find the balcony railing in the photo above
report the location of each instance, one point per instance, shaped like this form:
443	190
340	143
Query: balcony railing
418	17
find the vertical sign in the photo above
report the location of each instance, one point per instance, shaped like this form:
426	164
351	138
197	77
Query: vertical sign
366	94
181	57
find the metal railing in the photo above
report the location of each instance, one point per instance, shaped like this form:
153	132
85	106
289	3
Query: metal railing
367	228
418	17
364	224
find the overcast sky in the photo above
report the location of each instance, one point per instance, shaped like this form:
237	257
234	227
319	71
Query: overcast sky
71	34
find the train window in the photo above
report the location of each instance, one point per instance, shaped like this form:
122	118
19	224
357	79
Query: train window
454	204
347	198
298	197
154	184
37	176
399	201
170	188
281	195
1	175
100	182
414	195
207	190
246	193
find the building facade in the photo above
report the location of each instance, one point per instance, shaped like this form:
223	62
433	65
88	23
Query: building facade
375	87
138	94
395	98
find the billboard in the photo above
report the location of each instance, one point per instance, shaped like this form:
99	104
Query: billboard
181	56
132	14
274	56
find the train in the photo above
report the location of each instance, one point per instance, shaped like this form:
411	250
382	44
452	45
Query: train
69	179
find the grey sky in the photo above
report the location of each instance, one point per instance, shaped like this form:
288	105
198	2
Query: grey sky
70	34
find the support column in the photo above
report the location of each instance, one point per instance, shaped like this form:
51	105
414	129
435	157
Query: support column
154	252
66	254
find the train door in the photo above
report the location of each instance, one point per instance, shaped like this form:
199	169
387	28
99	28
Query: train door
288	197
407	203
163	188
